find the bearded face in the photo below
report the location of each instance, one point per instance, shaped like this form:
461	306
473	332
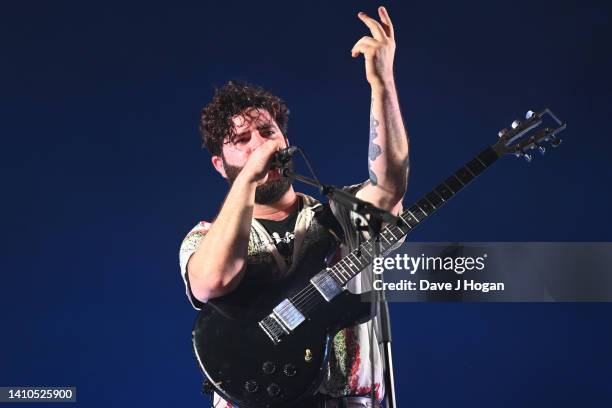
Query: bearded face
250	129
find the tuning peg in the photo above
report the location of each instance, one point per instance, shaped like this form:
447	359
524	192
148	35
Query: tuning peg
529	114
524	155
502	132
554	141
541	148
516	124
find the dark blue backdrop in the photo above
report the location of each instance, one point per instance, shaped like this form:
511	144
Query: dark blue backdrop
102	176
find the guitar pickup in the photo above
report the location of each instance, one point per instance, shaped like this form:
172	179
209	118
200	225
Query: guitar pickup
288	314
326	285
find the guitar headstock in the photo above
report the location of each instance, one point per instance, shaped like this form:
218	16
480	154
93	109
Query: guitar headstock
531	134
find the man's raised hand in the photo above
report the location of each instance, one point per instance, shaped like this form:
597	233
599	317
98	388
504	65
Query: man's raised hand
378	50
258	164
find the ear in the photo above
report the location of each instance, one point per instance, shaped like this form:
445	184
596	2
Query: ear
217	163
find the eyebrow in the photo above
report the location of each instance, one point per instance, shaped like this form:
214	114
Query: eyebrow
260	126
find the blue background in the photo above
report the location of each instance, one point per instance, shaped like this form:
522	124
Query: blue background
102	176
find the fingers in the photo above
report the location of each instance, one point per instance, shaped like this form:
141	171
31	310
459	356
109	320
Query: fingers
270	147
364	45
265	150
258	161
378	32
386	21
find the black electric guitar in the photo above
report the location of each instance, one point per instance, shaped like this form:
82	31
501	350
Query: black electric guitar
270	347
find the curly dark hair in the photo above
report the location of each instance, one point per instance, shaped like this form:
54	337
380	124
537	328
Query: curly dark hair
233	99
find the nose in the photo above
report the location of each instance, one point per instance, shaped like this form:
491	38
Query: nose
256	140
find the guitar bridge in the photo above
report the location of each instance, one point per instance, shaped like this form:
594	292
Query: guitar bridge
284	318
273	328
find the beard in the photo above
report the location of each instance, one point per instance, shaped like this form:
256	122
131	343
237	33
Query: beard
267	193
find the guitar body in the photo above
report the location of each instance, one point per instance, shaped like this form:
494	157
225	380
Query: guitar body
245	366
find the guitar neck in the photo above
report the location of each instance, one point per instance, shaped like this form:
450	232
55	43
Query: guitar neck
360	258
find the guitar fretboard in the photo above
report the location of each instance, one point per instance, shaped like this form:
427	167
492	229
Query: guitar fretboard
357	260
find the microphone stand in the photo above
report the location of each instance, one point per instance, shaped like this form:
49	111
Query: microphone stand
376	217
343	198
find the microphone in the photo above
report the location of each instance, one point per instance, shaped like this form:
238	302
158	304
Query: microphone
282	157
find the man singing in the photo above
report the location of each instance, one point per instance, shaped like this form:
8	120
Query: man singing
264	226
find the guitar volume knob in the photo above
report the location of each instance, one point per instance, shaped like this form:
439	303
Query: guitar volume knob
251	386
289	370
268	367
273	389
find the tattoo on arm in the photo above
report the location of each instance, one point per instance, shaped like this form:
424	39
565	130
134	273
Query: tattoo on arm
374	150
373	178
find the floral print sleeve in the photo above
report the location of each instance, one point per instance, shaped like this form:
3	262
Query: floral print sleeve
188	247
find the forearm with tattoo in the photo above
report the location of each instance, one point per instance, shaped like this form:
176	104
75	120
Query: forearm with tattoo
374	150
388	145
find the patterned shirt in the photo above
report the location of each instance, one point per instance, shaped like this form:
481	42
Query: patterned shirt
349	369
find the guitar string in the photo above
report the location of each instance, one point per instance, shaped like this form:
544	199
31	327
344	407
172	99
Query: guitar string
310	289
305	303
306	294
303	298
334	271
306	299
